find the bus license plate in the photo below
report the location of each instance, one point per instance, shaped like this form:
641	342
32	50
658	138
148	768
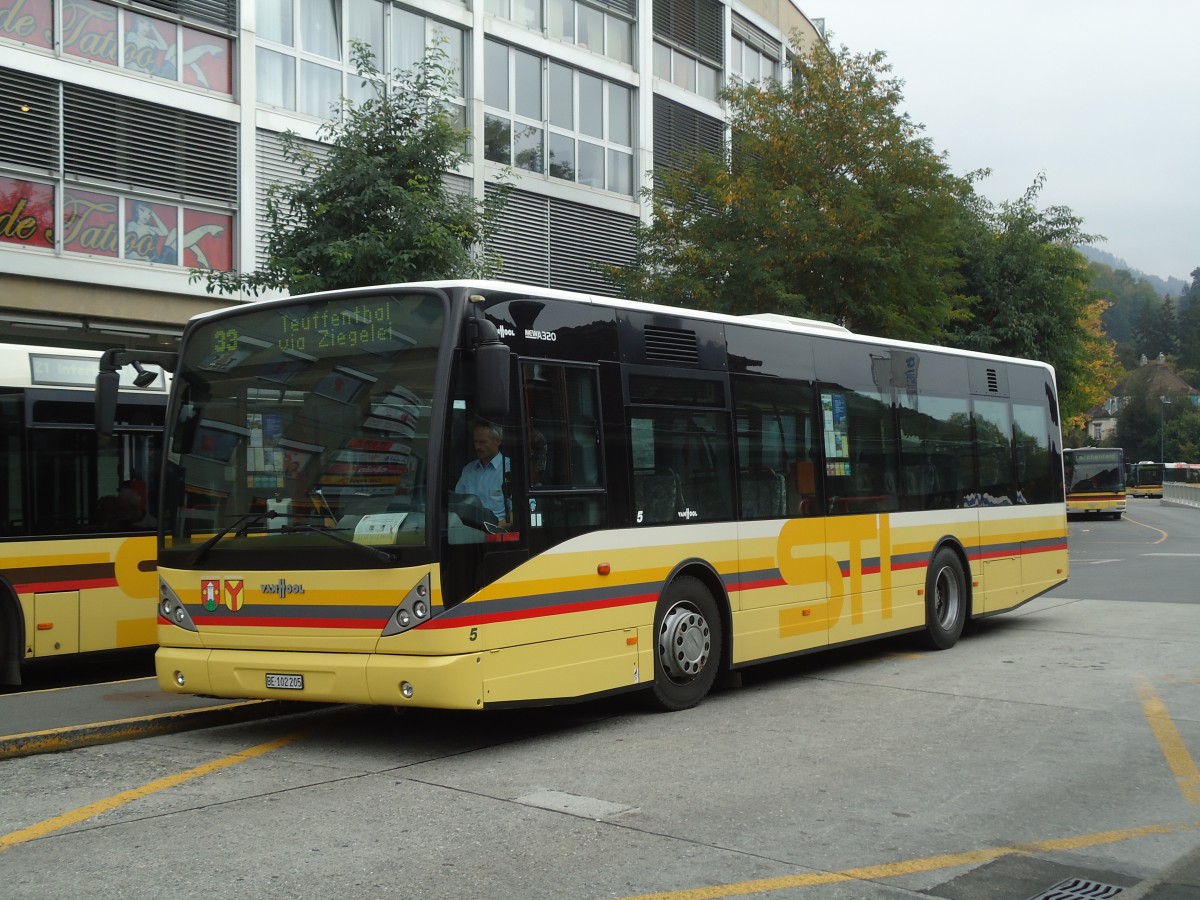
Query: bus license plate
285	682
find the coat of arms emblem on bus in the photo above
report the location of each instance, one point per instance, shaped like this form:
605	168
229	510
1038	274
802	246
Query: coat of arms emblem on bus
226	592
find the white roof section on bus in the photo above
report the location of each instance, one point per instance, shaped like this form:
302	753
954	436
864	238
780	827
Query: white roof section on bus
773	321
58	369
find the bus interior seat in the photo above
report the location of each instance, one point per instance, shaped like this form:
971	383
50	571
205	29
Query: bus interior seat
657	495
764	493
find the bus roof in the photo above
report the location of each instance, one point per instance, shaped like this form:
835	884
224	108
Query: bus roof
775	321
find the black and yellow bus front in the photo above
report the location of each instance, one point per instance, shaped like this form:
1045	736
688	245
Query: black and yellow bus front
298	538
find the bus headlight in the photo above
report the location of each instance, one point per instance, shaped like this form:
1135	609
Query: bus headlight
412	610
171	608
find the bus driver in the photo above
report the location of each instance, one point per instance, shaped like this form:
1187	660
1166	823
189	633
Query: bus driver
483	477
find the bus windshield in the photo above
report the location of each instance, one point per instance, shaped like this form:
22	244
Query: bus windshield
305	427
1094	470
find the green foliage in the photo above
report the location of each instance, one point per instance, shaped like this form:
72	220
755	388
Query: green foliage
1126	296
1148	428
1189	333
1033	298
1155	329
828	203
376	209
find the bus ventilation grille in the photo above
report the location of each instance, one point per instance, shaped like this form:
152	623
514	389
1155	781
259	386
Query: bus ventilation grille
671	345
1078	889
993	382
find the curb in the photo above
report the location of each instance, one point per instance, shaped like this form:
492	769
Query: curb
59	739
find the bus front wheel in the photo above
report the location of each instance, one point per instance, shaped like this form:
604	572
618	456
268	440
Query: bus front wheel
688	642
945	601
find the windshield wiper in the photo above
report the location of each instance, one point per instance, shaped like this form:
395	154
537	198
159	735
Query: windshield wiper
378	555
241	523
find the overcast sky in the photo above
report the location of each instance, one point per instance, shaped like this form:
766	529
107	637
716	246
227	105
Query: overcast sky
1103	97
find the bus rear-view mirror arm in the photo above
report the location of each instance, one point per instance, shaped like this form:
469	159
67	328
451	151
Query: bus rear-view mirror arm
108	379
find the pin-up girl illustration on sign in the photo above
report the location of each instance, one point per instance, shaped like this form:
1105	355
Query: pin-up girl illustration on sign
150	46
148	237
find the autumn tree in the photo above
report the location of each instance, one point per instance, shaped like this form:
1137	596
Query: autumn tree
1032	296
376	207
828	202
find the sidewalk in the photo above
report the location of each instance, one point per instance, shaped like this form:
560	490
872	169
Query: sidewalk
66	718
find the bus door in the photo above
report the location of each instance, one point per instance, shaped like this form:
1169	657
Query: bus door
521	486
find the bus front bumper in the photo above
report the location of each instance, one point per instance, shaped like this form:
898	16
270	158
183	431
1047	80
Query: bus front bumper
443	682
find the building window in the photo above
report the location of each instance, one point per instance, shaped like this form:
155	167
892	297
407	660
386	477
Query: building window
753	54
689	44
571	125
523	12
749	64
129	40
686	71
304	60
608	32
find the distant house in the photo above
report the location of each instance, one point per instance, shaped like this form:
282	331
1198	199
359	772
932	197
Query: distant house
1148	379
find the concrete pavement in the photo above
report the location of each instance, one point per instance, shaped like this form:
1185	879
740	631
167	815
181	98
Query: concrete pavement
59	719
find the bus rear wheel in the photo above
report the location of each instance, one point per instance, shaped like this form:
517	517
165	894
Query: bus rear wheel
945	601
688	643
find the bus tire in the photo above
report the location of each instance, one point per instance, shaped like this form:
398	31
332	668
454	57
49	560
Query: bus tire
688	643
945	600
10	650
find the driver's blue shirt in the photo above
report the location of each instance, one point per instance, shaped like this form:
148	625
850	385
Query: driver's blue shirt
485	481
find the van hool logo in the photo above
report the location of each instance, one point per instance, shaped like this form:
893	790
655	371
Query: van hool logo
227	592
282	589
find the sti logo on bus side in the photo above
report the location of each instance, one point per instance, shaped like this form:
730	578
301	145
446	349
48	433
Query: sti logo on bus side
228	592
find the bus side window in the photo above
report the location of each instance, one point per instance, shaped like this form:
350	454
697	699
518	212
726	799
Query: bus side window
776	475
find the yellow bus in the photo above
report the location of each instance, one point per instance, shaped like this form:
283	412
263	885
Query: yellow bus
77	551
672	495
1095	479
1145	479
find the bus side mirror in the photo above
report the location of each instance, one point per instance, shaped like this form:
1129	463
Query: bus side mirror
107	384
491	380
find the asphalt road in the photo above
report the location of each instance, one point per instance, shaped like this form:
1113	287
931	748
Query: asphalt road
1053	743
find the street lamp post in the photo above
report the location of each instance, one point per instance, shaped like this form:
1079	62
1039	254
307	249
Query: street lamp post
1162	431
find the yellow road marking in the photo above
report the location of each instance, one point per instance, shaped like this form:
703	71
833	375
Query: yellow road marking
73	817
1187	776
1151	527
916	866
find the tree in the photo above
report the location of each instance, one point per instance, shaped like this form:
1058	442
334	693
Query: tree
1155	329
828	202
1032	295
1189	331
1126	295
376	208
